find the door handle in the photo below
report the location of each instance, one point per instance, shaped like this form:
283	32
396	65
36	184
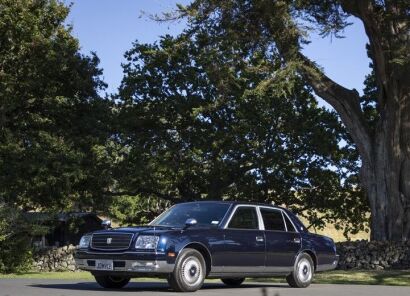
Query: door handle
296	240
259	239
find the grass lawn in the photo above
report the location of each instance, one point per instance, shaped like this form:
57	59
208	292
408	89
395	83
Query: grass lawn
393	277
358	277
49	275
390	277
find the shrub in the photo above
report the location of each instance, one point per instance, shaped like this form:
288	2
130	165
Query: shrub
15	254
16	233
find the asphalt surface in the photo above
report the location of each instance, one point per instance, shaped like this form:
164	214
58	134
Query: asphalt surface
35	287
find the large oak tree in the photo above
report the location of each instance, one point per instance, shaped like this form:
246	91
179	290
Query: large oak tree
204	122
283	27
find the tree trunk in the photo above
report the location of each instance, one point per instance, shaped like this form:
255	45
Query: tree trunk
385	153
386	175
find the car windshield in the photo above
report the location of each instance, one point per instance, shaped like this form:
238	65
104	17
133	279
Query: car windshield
206	214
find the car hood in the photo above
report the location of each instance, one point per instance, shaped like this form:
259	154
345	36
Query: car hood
138	229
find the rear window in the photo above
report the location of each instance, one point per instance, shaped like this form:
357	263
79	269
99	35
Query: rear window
272	219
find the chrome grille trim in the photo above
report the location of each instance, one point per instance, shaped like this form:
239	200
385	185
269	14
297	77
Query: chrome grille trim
120	241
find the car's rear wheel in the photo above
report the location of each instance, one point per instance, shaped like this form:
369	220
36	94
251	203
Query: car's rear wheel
112	282
302	274
189	272
233	282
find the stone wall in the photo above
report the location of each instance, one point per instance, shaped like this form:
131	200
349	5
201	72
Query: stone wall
55	259
374	255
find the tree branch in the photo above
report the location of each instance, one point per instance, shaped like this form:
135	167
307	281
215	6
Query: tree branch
139	191
345	101
365	11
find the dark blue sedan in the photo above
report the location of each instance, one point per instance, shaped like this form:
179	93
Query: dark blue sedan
193	241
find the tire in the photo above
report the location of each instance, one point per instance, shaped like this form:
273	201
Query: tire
111	282
302	274
189	272
233	282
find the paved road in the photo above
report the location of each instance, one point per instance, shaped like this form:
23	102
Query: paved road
23	287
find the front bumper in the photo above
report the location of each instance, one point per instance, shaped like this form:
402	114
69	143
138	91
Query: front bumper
137	266
128	262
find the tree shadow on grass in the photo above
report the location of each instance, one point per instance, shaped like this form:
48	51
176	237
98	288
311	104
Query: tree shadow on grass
393	275
385	277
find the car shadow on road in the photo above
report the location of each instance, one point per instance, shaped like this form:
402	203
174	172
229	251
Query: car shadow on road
146	286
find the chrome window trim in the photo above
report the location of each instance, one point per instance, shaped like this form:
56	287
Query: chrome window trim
283	213
112	232
291	222
260	218
284	221
224	217
233	213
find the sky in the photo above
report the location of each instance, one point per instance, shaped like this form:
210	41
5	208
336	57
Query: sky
109	27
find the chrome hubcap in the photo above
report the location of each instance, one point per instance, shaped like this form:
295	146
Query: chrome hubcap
304	270
191	271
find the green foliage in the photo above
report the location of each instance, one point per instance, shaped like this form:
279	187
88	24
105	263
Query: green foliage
15	239
136	210
16	255
212	114
207	122
55	153
369	102
279	30
53	124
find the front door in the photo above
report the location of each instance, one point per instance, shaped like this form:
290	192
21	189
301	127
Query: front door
244	242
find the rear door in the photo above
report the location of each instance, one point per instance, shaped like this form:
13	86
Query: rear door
244	243
283	242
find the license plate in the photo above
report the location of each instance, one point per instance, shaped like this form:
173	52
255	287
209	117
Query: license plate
104	265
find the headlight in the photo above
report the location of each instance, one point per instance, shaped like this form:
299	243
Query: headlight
85	241
147	242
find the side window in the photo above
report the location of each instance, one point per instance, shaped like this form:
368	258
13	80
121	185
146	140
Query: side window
244	218
272	219
289	224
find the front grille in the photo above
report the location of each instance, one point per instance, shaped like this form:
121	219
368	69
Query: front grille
111	241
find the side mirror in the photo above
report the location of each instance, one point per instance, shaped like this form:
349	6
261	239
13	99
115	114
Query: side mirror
106	224
190	222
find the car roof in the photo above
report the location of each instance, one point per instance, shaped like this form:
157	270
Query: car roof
299	225
232	202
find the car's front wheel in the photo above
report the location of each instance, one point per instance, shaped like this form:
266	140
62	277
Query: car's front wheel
302	274
233	282
189	272
111	282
